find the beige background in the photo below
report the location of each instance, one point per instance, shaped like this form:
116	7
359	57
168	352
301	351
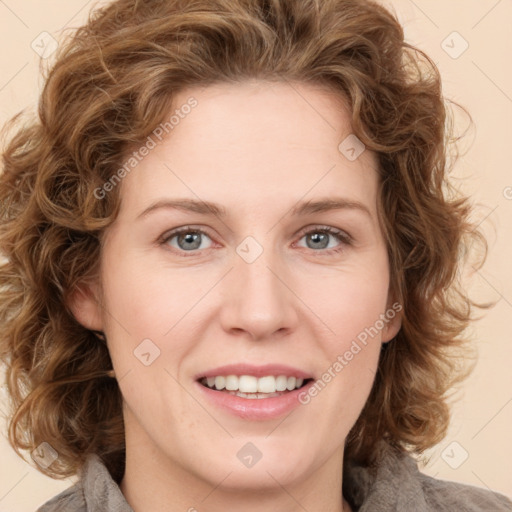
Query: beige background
478	448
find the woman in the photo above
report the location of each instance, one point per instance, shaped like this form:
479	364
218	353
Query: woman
231	263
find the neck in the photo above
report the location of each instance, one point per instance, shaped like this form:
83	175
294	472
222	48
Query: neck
157	482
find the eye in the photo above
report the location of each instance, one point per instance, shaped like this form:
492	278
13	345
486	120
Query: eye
187	239
318	238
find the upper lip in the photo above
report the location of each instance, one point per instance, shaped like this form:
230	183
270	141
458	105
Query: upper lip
257	371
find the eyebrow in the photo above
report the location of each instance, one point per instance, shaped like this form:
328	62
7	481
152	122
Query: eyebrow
213	209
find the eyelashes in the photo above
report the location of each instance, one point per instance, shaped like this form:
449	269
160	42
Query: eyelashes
344	238
182	234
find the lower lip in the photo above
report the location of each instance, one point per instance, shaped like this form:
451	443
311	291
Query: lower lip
255	409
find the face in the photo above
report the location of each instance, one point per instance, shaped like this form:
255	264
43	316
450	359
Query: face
269	284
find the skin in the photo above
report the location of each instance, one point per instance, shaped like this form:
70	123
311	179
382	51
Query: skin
256	148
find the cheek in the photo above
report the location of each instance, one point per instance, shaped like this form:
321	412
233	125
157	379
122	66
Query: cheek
352	304
349	302
149	302
351	354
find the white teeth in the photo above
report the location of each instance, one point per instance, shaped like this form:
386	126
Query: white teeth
220	383
247	384
251	384
253	395
231	382
267	384
281	382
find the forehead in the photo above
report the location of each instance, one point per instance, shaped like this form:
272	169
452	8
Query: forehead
253	143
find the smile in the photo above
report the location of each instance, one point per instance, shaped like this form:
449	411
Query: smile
252	387
254	392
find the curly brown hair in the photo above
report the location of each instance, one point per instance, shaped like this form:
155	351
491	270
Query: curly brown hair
112	83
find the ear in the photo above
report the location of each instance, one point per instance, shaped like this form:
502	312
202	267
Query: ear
84	303
393	322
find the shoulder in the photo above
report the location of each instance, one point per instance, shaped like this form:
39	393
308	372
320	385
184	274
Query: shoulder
448	495
69	500
395	484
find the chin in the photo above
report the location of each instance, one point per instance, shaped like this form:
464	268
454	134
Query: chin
251	468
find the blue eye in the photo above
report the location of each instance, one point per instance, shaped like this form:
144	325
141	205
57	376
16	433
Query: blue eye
319	238
190	240
187	239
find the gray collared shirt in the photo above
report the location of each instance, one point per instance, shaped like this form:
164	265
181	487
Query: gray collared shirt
397	486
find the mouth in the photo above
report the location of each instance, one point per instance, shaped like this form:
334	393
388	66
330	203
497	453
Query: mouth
254	393
252	387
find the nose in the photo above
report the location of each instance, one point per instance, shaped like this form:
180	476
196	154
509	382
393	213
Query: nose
258	299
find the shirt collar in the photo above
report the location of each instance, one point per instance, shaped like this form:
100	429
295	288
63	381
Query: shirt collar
101	492
392	485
